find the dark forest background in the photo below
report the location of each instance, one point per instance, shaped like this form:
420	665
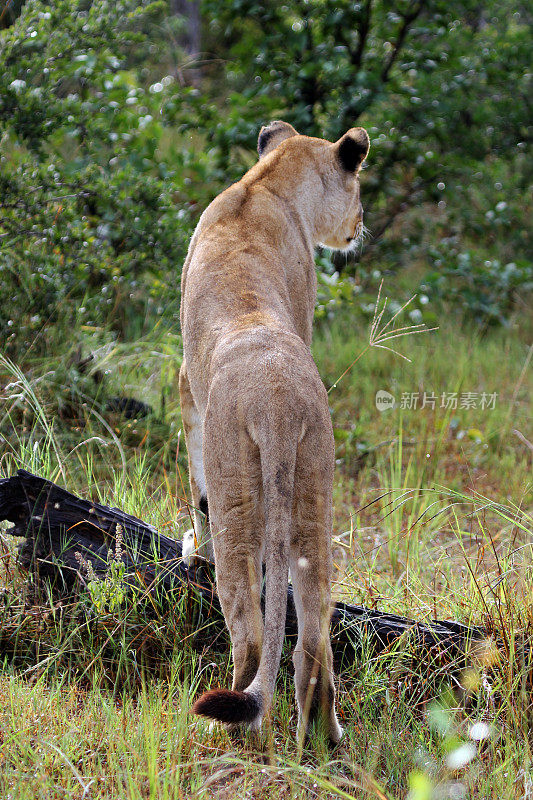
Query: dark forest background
120	121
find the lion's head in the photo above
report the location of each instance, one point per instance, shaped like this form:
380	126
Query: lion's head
338	213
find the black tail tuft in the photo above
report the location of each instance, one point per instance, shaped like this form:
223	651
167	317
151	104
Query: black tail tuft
227	706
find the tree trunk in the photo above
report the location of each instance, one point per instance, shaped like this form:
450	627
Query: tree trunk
190	11
58	527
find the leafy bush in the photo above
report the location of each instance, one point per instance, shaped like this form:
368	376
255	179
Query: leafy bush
89	221
485	290
434	83
106	158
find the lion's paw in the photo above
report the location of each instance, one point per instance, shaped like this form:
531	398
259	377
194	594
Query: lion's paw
188	546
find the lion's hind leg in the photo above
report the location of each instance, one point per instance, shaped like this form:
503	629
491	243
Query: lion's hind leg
310	569
239	577
312	657
237	523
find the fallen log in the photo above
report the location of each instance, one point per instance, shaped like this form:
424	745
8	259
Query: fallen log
58	527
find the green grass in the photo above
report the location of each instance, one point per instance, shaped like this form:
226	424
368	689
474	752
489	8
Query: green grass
432	518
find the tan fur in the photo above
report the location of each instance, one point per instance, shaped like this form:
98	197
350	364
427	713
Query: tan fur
251	395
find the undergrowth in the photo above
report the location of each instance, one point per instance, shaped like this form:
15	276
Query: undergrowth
432	520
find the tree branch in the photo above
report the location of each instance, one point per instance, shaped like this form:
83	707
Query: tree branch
408	20
356	57
59	527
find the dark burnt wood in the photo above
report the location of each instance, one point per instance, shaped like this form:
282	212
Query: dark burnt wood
56	525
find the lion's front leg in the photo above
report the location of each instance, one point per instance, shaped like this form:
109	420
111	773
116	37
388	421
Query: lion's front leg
197	540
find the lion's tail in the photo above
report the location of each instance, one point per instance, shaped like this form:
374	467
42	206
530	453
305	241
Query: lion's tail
278	461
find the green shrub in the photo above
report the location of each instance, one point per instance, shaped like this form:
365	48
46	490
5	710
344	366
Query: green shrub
91	220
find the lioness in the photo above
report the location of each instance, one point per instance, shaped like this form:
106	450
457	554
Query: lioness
255	412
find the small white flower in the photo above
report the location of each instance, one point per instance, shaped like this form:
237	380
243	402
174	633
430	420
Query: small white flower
17	85
303	563
461	756
479	731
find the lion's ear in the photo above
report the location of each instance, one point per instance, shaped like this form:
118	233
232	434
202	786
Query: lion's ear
272	135
352	149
